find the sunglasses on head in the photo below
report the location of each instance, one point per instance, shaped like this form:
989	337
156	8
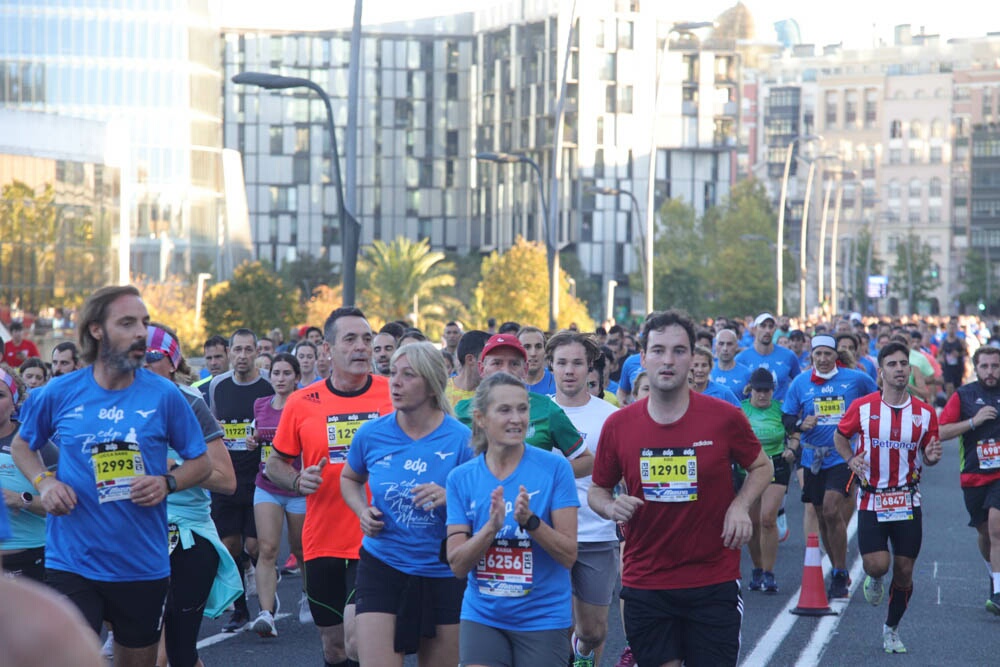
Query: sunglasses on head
153	356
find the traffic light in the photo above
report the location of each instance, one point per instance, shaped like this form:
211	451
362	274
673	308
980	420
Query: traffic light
935	269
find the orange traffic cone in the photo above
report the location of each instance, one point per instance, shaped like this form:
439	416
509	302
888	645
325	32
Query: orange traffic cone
812	599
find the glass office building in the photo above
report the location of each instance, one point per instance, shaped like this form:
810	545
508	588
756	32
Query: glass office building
152	68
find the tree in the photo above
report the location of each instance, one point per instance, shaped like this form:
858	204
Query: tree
859	269
679	260
172	302
308	272
588	290
324	300
979	282
915	275
255	298
406	277
515	287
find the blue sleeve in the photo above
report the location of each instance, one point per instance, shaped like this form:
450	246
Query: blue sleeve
184	432
455	491
356	453
564	487
791	404
729	396
870	384
624	379
35	415
794	366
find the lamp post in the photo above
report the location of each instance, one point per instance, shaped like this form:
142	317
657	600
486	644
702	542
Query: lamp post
349	227
609	311
834	257
805	229
646	257
781	216
199	294
550	247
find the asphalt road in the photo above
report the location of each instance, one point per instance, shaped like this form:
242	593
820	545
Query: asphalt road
946	623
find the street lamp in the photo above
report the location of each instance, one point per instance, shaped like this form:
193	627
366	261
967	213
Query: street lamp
199	293
781	215
850	174
550	244
609	310
349	227
647	256
805	228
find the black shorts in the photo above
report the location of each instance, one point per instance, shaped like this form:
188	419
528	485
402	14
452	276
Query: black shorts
782	470
815	485
979	500
233	515
330	586
420	604
698	626
953	375
28	563
905	535
133	608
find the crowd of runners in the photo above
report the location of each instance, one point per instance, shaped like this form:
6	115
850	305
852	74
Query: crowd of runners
481	500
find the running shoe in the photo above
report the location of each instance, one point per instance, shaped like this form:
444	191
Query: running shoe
993	604
305	614
580	660
874	590
250	581
839	583
783	531
757	579
891	642
769	584
291	566
237	622
626	659
264	625
108	650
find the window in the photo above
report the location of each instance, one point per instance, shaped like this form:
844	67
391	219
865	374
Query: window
915	188
914	156
599	38
937	129
302	139
831	108
624	34
894	191
277	140
935	155
896	130
916	129
871	107
607	72
625	100
300	169
935	187
599	163
934	214
895	156
283	198
452	86
609	99
451	143
851	108
914	216
600	130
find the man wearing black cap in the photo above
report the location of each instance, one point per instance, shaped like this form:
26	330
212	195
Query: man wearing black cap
813	407
764	354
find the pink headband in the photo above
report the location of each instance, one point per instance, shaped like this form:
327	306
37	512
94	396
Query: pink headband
159	340
8	380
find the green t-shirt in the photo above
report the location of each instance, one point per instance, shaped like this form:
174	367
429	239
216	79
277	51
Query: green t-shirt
767	426
549	428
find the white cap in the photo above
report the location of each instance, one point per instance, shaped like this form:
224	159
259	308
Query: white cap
764	317
824	340
856	317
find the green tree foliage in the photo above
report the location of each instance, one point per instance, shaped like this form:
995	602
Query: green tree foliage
172	302
394	277
468	270
588	290
515	287
915	276
308	273
859	276
255	298
976	289
680	260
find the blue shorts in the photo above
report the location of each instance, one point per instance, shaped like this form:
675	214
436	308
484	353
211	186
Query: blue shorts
292	504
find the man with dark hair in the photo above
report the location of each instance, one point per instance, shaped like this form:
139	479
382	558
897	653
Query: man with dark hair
491	326
685	525
797	344
971	414
265	346
394	329
314	335
216	351
452	334
952	356
318	424
782	363
65	358
509	327
383	345
231	397
463	384
106	547
537	375
18	348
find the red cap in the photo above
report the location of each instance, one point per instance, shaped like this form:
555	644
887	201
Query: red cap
503	340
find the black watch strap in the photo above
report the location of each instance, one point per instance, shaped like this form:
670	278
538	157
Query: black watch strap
171	483
532	523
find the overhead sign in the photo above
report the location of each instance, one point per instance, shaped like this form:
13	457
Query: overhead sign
878	287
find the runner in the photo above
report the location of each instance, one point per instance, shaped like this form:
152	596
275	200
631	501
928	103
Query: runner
216	351
273	505
595	573
952	355
765	354
684	524
463	384
318	424
813	407
726	371
65	358
701	369
383	345
408	600
34	373
537	376
971	414
115	422
452	335
512	517
18	349
307	353
895	431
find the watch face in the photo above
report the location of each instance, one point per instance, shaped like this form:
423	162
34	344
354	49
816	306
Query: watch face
27	498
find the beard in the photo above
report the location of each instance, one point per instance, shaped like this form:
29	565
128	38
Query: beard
120	360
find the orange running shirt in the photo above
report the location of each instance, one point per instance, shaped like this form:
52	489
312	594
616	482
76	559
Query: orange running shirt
319	421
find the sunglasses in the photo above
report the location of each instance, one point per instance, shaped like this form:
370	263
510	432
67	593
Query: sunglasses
153	356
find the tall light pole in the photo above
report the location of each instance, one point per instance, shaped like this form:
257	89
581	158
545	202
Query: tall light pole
645	257
804	236
199	294
780	309
834	257
550	245
609	310
349	227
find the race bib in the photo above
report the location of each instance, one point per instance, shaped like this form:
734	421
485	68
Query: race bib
115	464
828	409
506	569
340	430
174	534
893	506
235	436
988	452
265	440
669	475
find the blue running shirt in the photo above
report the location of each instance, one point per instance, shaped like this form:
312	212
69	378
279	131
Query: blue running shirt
781	362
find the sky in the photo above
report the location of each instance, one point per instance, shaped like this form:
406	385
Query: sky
856	23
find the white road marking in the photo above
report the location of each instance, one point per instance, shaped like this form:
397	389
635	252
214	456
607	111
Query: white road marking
223	636
935	569
823	633
771	640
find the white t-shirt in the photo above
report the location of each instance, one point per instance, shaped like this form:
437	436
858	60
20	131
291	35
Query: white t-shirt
588	420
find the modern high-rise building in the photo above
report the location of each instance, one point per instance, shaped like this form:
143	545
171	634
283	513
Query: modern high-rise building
152	69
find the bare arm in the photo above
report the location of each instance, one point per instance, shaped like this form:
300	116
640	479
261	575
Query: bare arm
985	414
151	490
583	464
222	478
352	488
464	548
843	446
57	497
736	527
559	539
603	502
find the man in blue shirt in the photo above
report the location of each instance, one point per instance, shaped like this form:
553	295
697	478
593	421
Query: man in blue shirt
765	354
813	406
107	535
726	371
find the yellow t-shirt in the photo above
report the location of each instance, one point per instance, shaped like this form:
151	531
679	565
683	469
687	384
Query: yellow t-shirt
456	395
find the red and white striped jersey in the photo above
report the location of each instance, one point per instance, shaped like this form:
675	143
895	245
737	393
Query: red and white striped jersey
891	438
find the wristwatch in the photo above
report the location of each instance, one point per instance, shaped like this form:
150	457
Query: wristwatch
171	483
531	524
26	498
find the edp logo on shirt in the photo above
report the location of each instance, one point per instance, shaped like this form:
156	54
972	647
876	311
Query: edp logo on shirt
416	465
114	414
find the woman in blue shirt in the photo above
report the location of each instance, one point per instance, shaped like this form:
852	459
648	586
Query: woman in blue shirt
512	532
408	601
